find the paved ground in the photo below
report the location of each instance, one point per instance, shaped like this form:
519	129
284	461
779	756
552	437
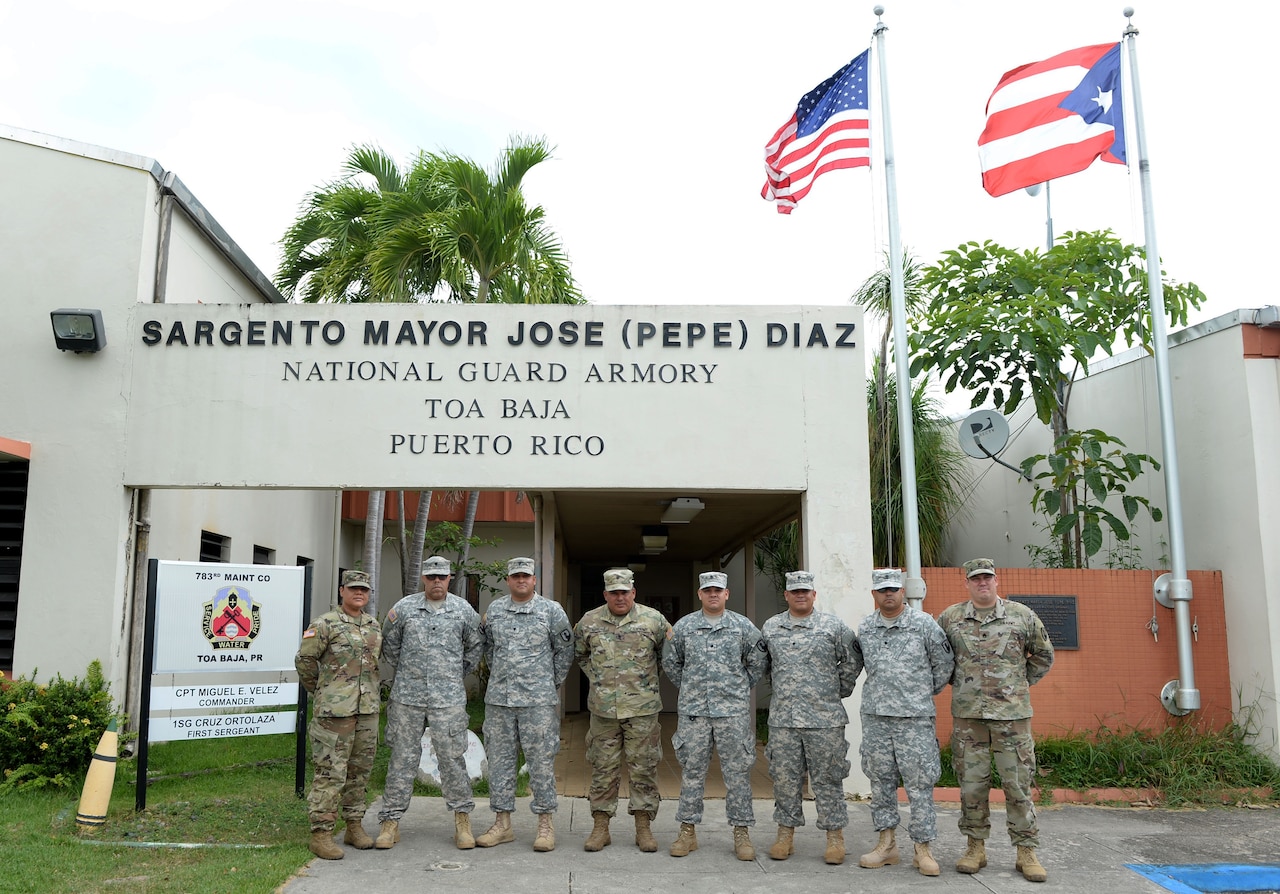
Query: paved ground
1084	849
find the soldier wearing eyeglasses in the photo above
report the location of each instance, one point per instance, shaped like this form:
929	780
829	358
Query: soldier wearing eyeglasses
431	641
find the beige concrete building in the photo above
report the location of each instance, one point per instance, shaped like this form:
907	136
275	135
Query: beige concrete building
1226	397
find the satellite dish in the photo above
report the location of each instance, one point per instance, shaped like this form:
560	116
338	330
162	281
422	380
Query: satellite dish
983	434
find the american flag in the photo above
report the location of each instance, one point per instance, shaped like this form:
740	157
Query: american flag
828	130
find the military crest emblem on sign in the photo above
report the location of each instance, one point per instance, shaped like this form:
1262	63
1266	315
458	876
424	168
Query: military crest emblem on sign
231	619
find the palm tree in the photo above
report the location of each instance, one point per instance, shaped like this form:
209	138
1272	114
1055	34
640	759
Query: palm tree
942	477
326	255
475	229
941	472
444	229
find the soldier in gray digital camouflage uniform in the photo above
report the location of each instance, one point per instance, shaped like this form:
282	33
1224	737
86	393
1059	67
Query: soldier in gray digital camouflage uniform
811	670
619	646
529	650
338	664
715	656
1001	650
430	642
908	661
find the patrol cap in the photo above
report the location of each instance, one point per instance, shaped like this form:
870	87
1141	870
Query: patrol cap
974	567
519	565
799	580
356	579
886	579
619	579
713	579
436	565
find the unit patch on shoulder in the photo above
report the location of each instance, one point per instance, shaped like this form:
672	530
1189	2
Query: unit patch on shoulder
391	615
566	635
761	646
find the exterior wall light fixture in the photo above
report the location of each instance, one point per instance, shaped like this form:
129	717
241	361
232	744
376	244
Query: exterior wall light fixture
78	329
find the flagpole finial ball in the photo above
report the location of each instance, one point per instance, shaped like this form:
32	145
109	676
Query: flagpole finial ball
1128	12
878	9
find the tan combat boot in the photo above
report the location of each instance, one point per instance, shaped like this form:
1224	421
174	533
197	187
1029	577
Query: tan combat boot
356	836
785	846
834	854
974	858
323	846
545	840
599	838
388	835
687	841
462	836
644	834
884	854
1029	865
742	848
499	833
924	860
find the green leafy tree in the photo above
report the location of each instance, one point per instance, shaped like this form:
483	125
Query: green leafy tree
1083	468
1009	324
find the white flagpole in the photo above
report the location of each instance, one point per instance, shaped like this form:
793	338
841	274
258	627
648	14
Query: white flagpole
906	436
1186	696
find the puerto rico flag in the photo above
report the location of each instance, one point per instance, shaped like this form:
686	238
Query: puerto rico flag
1053	118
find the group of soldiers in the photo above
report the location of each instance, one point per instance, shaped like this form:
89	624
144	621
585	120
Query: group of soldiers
990	650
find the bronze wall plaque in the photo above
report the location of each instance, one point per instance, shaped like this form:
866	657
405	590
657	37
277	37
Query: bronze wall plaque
1058	614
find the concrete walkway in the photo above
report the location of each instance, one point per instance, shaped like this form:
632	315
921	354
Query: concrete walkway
1085	849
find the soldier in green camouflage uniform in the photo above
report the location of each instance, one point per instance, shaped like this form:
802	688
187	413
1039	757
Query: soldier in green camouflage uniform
811	669
529	649
1001	650
715	656
619	647
908	661
430	642
338	663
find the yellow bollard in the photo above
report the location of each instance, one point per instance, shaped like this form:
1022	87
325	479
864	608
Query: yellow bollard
98	782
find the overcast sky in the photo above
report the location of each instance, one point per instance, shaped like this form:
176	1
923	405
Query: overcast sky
659	112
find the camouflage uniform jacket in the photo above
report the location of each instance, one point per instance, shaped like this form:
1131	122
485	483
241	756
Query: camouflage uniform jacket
429	653
338	663
620	656
908	661
997	659
529	649
715	662
811	670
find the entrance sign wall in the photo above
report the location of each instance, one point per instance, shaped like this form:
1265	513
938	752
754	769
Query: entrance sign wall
543	397
538	398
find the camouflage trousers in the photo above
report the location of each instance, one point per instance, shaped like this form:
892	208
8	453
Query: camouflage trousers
638	740
535	729
734	740
902	748
973	743
342	750
405	727
821	753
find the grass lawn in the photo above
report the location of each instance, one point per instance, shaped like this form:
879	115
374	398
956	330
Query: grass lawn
234	796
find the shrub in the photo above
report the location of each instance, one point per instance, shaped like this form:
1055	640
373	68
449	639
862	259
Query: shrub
48	731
